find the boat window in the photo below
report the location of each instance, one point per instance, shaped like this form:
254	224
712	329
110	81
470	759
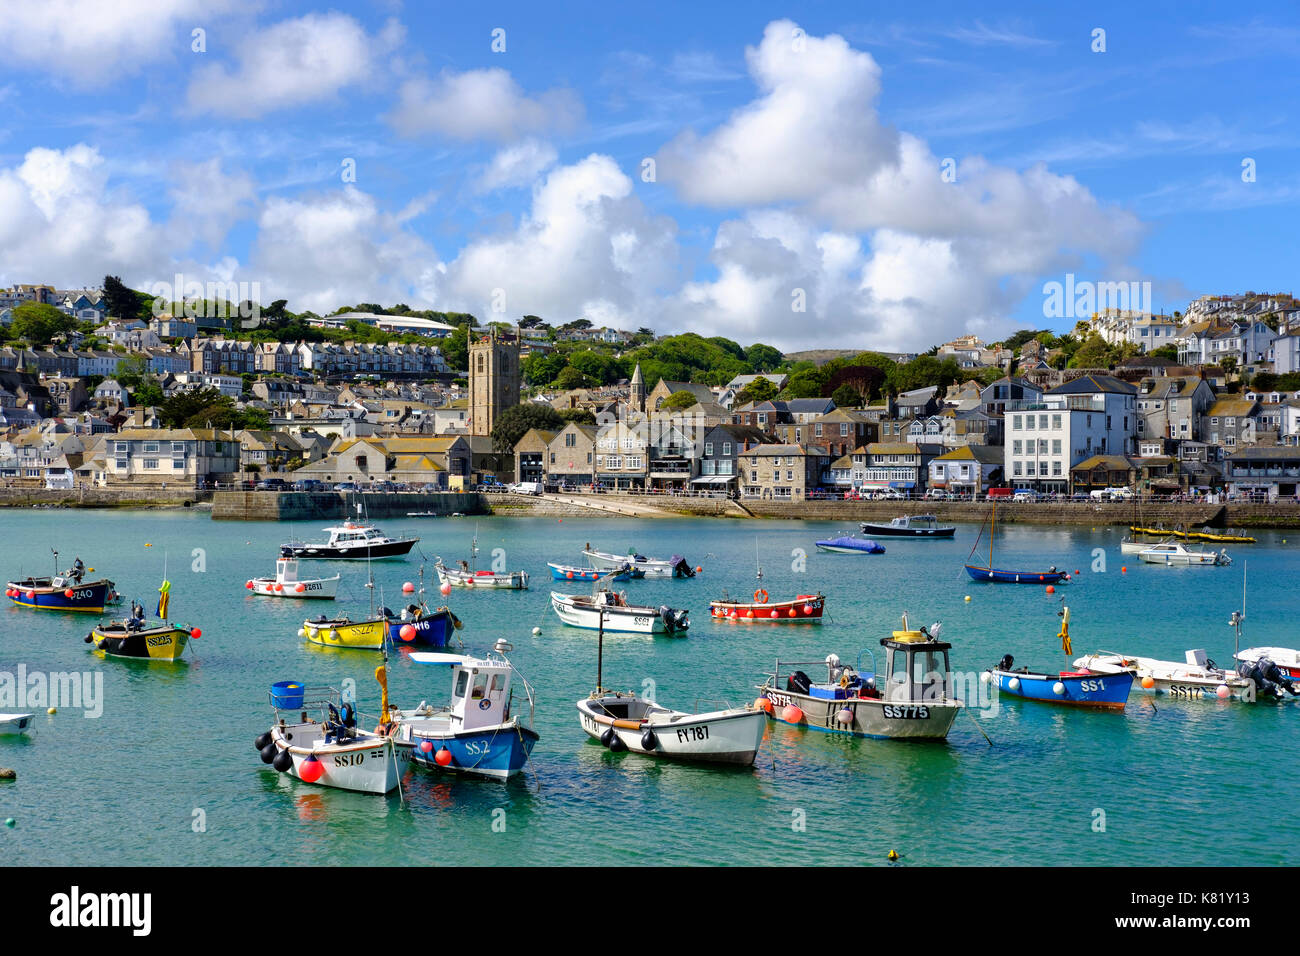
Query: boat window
480	684
461	683
498	684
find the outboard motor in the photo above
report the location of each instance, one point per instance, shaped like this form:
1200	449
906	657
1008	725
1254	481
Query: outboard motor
798	682
1269	680
674	620
681	569
1006	662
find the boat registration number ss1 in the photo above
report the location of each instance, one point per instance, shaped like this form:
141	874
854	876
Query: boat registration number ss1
906	712
1092	686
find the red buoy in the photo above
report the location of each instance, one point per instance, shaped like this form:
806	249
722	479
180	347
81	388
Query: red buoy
443	757
792	714
407	633
249	585
68	594
196	634
311	769
426	746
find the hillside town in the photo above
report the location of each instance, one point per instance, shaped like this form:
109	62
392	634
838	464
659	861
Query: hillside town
1201	402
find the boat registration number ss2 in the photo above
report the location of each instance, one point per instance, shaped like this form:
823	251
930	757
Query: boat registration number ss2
906	712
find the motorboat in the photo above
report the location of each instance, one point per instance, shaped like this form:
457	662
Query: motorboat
625	721
63	591
352	541
801	609
1082	687
1177	553
131	637
912	699
850	544
16	724
288	584
1196	678
571	572
608	610
465	577
674	567
910	526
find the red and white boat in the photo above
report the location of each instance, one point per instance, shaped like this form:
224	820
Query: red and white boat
803	609
288	584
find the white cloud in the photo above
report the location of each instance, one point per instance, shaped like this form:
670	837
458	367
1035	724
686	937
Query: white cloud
517	165
88	42
587	247
481	104
290	64
337	248
942	257
206	202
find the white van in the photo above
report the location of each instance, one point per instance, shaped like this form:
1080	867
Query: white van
527	488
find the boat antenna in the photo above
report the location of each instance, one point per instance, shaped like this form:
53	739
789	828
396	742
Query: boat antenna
758	566
56	560
1239	616
600	645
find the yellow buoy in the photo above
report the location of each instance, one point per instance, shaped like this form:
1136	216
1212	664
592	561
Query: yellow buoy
968	599
893	854
53	710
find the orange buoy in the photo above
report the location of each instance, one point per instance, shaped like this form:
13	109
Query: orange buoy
792	714
1148	682
1051	590
764	704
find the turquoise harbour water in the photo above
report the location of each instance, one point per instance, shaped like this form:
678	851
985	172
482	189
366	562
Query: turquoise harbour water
1179	783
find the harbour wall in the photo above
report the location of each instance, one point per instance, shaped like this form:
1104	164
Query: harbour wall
139	497
329	505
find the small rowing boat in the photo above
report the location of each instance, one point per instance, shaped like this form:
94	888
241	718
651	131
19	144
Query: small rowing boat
464	577
570	572
1078	688
850	544
15	724
803	609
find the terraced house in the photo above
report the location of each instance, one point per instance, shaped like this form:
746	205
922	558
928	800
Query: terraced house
186	457
779	472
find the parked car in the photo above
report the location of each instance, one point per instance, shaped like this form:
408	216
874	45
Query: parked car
1026	494
996	494
345	486
272	484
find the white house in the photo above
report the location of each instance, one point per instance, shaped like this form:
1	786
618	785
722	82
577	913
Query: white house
1091	415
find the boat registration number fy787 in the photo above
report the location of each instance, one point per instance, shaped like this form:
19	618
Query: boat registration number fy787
687	735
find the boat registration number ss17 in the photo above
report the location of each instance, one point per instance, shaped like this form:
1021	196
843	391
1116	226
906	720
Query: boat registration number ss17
906	712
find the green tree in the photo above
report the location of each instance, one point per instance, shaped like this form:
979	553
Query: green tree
846	396
455	348
807	383
682	399
542	369
570	378
759	390
1166	351
763	358
581	416
121	302
515	422
38	324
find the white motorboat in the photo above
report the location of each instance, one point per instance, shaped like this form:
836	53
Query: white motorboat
477	734
1196	678
333	751
1177	553
628	722
674	567
288	584
609	611
352	541
11	724
1131	545
1286	658
465	577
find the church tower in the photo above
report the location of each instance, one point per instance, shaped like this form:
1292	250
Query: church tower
636	397
493	379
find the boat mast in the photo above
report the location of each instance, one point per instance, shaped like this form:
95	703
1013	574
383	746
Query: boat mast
600	645
993	517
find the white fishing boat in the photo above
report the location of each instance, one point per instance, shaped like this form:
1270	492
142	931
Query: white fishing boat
12	724
1196	678
609	610
624	721
352	541
287	583
1175	553
333	751
465	577
674	567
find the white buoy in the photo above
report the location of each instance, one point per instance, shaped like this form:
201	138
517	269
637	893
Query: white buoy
1223	692
1058	689
985	677
1013	684
536	631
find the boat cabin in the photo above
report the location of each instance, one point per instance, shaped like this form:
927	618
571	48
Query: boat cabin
480	689
916	667
286	570
350	534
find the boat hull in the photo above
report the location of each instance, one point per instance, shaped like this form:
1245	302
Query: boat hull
16	724
431	630
1101	691
725	736
369	765
563	572
358	635
999	576
884	530
1172	679
864	716
91	597
322	588
154	643
805	609
497	752
1192	559
373	552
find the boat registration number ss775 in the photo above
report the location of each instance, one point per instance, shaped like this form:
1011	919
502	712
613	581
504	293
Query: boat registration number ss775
906	712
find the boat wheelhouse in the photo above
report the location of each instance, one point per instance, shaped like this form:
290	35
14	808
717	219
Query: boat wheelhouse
288	583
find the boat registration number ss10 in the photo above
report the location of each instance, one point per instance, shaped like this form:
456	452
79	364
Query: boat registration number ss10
906	712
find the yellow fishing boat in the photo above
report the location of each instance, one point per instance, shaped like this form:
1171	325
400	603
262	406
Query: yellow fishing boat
343	632
1195	535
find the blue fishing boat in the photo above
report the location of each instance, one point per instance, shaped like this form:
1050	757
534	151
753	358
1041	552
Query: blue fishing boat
986	572
419	625
477	733
1078	688
851	544
66	591
569	572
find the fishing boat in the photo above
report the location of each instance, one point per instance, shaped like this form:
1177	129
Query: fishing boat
333	750
367	634
130	637
1078	688
15	724
624	721
570	572
674	567
352	541
986	572
419	625
803	609
66	591
288	584
1196	678
1177	553
465	577
916	700
476	734
910	526
609	610
850	544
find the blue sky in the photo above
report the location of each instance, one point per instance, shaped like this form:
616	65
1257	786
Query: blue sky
798	157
